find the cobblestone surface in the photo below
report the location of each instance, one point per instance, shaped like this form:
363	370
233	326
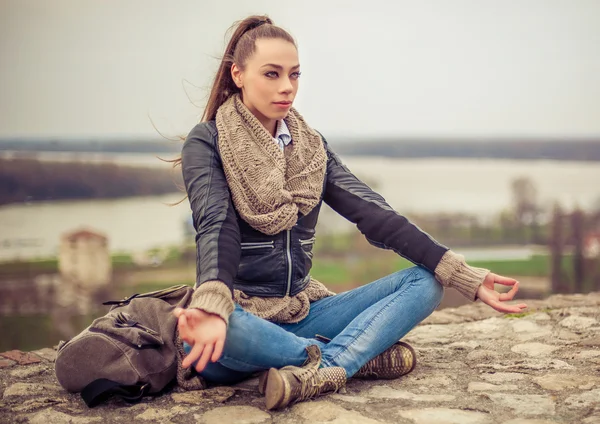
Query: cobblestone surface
475	366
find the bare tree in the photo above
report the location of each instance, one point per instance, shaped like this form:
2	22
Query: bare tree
506	220
556	251
525	205
578	234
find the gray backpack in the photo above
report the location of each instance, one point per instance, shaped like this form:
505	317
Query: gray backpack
131	351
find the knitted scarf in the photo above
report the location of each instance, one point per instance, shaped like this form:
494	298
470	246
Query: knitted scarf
269	187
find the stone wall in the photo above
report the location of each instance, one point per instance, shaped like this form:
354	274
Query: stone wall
84	258
475	366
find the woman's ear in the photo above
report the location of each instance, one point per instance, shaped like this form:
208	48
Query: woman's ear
236	75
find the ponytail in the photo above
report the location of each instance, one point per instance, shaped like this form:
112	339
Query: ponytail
240	47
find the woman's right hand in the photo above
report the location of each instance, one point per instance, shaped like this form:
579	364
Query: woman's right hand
204	332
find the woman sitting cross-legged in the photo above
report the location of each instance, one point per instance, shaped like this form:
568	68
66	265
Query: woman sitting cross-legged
256	175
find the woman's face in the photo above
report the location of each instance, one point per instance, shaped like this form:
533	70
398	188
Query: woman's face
269	81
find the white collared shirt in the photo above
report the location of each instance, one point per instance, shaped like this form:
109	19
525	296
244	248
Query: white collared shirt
282	134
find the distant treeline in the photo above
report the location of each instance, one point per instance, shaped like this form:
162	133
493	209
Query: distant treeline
92	146
563	149
580	150
23	180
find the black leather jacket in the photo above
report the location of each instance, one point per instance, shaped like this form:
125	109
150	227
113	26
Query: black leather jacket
229	250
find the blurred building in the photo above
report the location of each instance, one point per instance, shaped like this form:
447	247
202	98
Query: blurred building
591	245
84	258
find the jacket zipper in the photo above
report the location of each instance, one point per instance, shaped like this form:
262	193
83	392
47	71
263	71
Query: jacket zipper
307	242
289	259
258	245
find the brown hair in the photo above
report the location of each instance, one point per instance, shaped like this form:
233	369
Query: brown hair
241	46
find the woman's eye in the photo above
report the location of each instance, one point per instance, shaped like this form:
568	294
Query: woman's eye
296	75
271	74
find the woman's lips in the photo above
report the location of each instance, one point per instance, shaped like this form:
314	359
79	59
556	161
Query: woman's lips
283	105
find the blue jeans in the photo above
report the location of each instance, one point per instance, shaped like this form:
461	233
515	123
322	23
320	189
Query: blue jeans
361	324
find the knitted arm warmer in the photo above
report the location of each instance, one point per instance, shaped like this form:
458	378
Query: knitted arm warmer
453	271
213	297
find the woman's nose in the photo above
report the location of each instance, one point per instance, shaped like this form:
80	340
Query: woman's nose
286	85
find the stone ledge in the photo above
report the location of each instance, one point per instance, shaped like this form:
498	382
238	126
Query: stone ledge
475	366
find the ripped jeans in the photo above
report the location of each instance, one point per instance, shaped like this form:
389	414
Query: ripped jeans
361	324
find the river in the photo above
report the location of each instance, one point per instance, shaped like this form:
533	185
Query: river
480	187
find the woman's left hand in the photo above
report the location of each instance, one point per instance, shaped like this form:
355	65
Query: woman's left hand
496	300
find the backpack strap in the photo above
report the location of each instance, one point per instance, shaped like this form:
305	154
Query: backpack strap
123	302
101	389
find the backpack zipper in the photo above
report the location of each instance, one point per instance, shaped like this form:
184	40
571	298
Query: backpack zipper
123	319
121	338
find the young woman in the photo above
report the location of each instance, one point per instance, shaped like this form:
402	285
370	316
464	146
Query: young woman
256	175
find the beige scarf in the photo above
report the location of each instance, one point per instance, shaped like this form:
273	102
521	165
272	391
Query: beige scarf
269	187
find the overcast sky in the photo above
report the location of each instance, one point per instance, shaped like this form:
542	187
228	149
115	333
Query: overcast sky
404	68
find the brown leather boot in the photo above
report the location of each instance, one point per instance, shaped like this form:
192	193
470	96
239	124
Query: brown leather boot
396	361
291	384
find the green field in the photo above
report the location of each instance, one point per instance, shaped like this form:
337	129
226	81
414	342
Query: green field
335	272
50	265
347	270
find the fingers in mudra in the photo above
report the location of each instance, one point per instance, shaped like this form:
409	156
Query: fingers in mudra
495	299
503	307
